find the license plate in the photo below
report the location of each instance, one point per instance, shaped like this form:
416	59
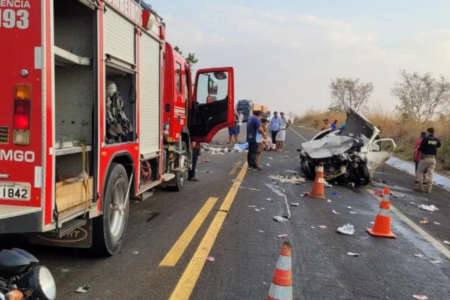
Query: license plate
15	191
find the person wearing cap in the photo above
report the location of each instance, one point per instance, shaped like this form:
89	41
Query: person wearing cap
428	147
327	125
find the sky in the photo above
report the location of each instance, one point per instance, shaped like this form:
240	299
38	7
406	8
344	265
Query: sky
285	53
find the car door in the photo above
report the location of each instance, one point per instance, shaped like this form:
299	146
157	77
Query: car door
212	105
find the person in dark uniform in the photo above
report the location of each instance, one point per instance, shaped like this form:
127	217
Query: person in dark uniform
428	147
196	151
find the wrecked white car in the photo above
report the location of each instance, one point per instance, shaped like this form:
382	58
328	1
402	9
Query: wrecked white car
351	154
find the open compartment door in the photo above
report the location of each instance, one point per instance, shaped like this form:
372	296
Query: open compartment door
212	106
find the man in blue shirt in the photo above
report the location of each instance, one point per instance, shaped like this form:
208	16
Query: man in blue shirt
254	126
274	126
334	125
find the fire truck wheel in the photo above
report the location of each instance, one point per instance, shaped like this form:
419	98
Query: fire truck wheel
180	181
109	228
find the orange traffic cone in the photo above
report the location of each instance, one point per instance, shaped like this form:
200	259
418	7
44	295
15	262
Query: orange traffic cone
318	190
281	288
382	226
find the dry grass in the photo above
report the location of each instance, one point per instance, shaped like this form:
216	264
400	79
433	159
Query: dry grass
405	133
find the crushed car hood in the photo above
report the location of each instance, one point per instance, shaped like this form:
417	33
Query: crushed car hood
358	126
328	146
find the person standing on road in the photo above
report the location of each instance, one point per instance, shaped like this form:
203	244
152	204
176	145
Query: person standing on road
428	147
261	141
326	125
196	152
233	130
274	126
254	126
240	118
417	154
281	136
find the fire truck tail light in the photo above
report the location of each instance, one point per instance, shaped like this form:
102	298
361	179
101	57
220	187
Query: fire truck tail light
22	112
23	92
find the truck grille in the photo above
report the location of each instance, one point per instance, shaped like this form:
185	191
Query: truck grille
4	135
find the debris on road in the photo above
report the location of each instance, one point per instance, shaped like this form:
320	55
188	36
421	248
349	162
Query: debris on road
268	164
437	223
352	254
305	194
346	229
335	212
83	289
420	297
282	235
295	204
252	206
428	207
286	179
424	221
322	226
269	199
210	259
349	207
435	262
334	194
280	219
329	201
379	193
256	209
206	160
447	242
328	185
353	212
271	158
418	255
64	270
135	252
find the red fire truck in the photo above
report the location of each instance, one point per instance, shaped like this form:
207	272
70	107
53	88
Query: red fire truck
96	109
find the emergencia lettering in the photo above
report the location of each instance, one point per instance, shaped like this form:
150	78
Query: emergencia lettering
15	3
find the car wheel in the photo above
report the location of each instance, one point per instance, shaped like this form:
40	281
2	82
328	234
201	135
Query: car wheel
110	227
364	175
308	170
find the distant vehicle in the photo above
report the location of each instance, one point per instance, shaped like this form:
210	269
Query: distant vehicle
246	108
264	109
353	153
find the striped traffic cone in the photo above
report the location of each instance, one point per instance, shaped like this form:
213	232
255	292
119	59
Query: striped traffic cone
318	189
281	288
382	225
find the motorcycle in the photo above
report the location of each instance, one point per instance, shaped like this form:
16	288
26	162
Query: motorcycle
22	278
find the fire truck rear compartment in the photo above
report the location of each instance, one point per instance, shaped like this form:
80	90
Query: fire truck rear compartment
75	97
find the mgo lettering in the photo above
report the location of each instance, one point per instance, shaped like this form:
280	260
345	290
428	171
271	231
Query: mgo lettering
17	156
129	8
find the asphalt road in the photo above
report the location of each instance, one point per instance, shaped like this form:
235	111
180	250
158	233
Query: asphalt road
171	234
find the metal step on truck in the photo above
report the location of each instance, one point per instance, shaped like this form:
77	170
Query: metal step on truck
96	109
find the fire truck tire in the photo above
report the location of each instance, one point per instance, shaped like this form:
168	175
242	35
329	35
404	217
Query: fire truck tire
180	182
109	228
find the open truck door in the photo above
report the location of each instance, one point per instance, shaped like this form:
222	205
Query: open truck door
212	105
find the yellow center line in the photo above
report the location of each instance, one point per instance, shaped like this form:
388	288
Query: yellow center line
236	166
188	280
185	239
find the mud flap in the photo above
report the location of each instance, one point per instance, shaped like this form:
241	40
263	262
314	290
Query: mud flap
78	238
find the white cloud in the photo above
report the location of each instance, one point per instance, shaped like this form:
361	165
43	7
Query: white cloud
287	60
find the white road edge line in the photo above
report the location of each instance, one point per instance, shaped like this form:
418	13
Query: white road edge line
436	244
298	134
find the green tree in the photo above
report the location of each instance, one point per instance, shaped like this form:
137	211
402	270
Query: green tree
191	59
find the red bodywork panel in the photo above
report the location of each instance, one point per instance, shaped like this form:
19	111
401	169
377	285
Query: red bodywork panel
21	36
174	102
223	125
